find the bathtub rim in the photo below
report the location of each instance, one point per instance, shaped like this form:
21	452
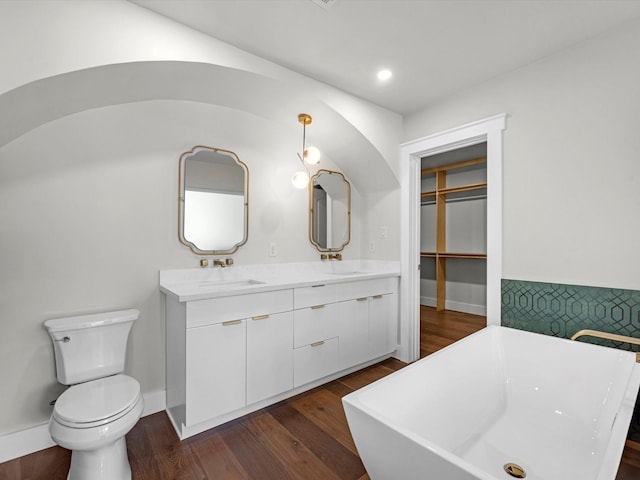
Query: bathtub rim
611	456
352	399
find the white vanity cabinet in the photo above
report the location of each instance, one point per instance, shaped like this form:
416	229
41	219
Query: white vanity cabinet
337	326
226	352
383	325
231	355
315	342
269	355
215	357
354	332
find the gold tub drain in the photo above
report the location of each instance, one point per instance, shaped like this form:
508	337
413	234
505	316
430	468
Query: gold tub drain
514	470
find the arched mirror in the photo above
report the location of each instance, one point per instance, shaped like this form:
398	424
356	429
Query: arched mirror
330	211
213	201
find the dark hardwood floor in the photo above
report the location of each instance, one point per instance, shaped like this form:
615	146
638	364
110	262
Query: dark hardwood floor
304	437
440	329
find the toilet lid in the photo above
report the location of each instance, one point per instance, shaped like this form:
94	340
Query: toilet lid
97	400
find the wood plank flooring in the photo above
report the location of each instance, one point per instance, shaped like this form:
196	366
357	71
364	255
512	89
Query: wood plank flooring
304	437
440	329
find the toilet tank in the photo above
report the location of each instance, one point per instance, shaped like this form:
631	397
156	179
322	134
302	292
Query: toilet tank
92	346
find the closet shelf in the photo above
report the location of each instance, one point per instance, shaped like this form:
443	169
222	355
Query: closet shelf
462	188
453	255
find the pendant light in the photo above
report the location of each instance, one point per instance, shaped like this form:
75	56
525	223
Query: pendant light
310	155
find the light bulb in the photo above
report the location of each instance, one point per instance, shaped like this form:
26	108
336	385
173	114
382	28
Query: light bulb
311	155
300	180
384	75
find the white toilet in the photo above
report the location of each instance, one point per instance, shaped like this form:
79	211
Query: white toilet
102	405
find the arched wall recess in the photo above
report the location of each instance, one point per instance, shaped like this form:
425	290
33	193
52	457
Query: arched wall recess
45	100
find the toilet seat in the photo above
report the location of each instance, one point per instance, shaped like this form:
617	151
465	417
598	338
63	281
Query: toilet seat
97	402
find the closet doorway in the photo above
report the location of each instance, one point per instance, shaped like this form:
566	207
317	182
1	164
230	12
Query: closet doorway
489	131
453	246
453	230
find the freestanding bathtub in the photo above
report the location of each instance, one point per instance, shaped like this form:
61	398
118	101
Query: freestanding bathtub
499	400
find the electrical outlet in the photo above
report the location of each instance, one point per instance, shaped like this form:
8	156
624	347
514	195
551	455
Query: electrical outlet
372	245
273	249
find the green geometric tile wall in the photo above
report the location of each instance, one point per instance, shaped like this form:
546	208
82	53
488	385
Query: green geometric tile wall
561	310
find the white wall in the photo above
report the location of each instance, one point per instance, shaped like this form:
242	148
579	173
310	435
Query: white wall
88	215
88	188
381	214
571	165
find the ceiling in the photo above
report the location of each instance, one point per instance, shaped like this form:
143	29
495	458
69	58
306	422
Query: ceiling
435	48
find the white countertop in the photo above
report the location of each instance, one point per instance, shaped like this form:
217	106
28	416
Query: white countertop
212	282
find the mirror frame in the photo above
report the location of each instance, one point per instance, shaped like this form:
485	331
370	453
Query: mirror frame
311	239
181	198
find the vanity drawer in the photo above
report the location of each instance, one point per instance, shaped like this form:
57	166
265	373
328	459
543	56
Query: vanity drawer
337	292
365	288
319	294
223	309
315	361
315	323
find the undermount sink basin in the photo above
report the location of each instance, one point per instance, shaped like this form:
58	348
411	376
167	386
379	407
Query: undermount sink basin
222	284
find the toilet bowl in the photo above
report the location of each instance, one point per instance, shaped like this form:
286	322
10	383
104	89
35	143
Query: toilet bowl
92	417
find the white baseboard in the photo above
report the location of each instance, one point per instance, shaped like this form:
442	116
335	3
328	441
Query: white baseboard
24	442
428	302
36	438
154	402
456	306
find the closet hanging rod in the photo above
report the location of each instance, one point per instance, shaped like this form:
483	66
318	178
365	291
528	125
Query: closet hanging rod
464	199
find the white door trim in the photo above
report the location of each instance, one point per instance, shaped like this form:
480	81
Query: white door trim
486	130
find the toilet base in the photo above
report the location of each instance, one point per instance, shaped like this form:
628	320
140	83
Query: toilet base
109	462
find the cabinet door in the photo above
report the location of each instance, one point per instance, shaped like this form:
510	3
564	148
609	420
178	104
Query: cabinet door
269	356
216	376
353	332
383	324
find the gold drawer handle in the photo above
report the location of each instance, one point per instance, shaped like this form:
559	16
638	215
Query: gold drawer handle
315	307
377	296
317	344
231	322
361	299
260	317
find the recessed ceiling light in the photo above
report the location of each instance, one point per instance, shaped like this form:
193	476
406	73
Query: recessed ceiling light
384	74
